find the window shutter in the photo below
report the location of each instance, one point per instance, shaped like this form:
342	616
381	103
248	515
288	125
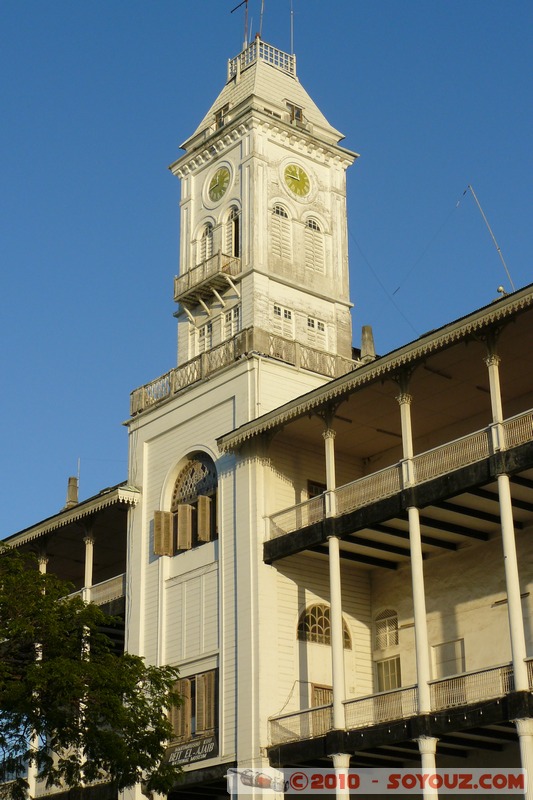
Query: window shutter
163	533
205	702
204	519
184	515
180	716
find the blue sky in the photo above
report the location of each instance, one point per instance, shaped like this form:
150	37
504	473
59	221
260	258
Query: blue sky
96	98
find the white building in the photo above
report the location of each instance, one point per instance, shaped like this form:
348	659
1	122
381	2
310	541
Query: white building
335	552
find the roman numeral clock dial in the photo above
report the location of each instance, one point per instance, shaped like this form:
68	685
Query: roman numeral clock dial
297	180
218	184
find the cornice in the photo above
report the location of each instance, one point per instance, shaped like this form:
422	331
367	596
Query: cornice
119	495
215	144
212	148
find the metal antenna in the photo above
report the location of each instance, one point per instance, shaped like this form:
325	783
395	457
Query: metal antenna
261	19
245	4
292	30
491	233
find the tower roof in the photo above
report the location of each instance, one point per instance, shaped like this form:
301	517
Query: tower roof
263	76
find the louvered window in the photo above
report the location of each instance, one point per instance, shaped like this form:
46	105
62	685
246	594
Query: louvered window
192	520
232	322
206	243
314	246
194	502
163	533
233	243
316	333
386	629
205	338
197	715
283	321
281	245
315	626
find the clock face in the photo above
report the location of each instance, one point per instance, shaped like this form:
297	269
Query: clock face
218	184
297	180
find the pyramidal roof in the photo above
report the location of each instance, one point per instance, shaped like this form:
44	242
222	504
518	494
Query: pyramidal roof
263	76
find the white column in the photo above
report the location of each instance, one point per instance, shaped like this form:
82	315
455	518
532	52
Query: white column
337	637
331	485
498	435
512	578
524	729
512	582
341	764
404	400
42	561
428	751
89	556
423	673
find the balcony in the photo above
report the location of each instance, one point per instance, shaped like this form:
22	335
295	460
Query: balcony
363	712
249	340
106	591
212	275
389	481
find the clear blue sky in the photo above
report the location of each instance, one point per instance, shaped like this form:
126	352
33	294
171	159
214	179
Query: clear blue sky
95	99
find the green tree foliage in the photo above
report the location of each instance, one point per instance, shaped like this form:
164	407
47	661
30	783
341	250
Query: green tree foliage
70	705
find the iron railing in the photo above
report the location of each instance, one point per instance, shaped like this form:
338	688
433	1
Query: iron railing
362	712
387	482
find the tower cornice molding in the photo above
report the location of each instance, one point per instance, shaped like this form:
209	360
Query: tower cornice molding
211	150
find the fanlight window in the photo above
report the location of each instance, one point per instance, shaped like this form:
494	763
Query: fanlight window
386	629
312	224
314	625
192	520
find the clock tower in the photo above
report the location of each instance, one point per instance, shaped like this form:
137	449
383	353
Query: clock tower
263	317
263	253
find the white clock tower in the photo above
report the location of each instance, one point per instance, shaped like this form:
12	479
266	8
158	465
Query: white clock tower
263	222
263	317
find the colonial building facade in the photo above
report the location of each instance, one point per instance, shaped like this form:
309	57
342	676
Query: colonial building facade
333	547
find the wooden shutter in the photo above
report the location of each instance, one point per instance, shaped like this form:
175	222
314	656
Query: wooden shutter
205	702
184	515
180	716
204	519
163	533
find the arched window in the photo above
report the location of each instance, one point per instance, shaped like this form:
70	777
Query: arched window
386	629
281	233
194	502
314	245
206	243
233	238
314	625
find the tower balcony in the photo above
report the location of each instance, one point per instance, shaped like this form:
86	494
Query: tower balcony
211	276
